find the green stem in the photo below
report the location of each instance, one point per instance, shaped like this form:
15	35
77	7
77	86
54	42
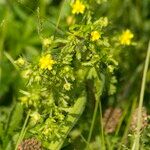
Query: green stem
11	60
82	137
59	17
22	134
42	8
102	132
137	137
93	122
3	31
125	134
97	98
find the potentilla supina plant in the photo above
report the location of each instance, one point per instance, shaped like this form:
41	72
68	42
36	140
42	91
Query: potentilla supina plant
54	85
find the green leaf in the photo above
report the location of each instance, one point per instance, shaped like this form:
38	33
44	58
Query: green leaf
71	119
16	118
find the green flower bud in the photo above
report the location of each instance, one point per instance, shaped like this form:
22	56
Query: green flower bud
20	61
26	73
67	86
37	78
35	117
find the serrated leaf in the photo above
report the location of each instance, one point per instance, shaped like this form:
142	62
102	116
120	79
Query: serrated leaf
71	119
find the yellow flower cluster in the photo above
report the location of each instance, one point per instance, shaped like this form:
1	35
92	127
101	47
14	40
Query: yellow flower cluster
95	35
78	7
46	62
126	37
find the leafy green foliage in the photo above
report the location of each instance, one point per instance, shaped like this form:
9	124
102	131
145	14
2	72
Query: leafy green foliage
10	122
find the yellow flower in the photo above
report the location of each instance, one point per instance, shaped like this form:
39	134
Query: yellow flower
46	62
78	7
126	37
95	35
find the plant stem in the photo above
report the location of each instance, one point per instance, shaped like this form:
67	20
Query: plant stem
11	60
22	134
101	77
101	129
137	136
125	134
93	121
82	137
42	5
3	31
59	17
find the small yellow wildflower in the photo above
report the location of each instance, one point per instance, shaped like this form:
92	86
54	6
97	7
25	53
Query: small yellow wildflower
126	37
78	7
46	62
95	35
